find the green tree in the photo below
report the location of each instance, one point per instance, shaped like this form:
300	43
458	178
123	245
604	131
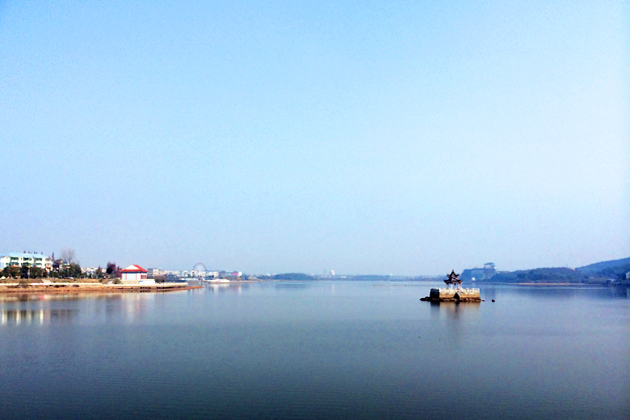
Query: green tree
111	267
25	270
75	271
10	271
112	270
36	272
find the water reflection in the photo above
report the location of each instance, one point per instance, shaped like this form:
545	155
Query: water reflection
73	309
301	353
41	316
37	297
454	310
135	306
292	286
226	287
622	292
450	322
489	292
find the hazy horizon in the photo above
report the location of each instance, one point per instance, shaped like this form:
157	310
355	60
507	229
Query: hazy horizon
275	137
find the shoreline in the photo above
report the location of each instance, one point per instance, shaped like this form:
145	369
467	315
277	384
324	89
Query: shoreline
92	288
548	284
99	288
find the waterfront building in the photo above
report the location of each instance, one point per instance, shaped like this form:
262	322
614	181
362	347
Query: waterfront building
476	274
134	273
153	272
90	270
17	259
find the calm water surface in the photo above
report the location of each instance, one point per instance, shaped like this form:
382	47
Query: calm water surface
329	349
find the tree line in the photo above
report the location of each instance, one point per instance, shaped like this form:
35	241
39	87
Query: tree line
61	270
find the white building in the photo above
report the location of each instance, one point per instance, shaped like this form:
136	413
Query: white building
90	270
135	274
16	259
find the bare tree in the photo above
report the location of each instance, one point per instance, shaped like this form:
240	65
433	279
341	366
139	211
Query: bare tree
68	256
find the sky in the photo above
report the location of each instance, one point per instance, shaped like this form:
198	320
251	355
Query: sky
279	136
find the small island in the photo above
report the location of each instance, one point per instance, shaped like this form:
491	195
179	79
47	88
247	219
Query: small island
453	291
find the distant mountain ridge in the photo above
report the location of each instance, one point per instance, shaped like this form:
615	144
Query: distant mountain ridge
624	262
613	271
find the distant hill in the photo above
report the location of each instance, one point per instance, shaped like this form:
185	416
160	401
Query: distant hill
369	277
617	265
543	275
293	276
598	273
485	273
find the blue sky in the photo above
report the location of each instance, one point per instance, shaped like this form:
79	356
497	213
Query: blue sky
364	137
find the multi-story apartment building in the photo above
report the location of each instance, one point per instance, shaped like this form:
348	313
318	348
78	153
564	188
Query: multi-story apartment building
16	259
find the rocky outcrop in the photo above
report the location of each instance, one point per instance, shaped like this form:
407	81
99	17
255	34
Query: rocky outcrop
453	295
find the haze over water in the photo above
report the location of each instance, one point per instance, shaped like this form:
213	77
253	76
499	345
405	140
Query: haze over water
327	349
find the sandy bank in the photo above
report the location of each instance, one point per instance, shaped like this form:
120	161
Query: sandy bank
65	288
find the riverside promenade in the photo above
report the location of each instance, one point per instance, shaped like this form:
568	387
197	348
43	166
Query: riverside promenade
65	288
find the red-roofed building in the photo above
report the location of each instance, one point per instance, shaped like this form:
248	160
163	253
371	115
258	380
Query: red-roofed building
134	273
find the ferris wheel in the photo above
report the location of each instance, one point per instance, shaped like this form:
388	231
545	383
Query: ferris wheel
199	270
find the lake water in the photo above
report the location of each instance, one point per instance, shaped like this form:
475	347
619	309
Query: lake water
328	349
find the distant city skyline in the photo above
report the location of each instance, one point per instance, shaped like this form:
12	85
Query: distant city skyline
283	137
326	273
